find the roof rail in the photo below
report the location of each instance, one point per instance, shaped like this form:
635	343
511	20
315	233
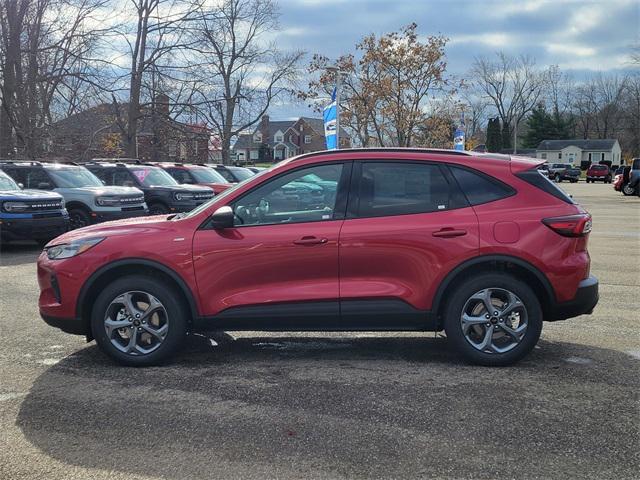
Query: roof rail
441	151
28	162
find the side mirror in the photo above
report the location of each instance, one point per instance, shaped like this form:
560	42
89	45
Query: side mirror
222	218
21	186
44	186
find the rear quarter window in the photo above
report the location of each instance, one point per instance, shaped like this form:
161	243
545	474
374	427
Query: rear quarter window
480	188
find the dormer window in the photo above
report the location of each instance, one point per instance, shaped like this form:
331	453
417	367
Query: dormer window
257	137
279	137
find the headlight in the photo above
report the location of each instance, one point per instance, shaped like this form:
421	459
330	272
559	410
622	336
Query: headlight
107	201
68	250
15	206
183	196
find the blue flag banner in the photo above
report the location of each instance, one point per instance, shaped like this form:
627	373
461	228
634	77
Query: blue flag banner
330	116
458	136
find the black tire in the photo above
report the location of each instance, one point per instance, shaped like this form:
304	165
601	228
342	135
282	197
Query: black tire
176	320
158	209
469	287
627	190
78	218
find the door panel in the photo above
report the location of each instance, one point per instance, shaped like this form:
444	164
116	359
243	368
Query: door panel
282	249
391	255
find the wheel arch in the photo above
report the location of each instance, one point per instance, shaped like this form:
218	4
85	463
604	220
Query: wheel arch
495	263
129	266
77	204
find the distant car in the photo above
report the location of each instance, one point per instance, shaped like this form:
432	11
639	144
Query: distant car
634	177
233	174
570	173
256	169
30	214
599	173
621	180
196	175
554	168
544	169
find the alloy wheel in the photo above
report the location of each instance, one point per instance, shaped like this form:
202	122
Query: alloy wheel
136	323
494	320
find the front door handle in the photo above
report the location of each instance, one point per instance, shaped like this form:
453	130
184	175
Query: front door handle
449	233
310	241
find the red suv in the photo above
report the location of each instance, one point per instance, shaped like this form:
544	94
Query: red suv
197	174
482	246
599	173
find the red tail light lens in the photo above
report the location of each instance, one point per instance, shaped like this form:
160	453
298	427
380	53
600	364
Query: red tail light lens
570	225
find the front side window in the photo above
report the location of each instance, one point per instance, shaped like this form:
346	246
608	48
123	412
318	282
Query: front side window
479	188
241	173
291	198
207	175
181	176
401	188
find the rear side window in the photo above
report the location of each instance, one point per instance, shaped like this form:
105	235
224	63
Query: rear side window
401	188
480	188
535	178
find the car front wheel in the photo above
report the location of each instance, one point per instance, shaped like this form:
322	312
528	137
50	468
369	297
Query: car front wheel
138	321
493	319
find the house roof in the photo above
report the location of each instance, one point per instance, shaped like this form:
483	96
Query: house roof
598	144
104	118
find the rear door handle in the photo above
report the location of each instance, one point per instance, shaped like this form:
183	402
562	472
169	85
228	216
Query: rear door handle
310	241
449	233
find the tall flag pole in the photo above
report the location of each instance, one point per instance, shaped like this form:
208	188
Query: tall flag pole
458	136
330	117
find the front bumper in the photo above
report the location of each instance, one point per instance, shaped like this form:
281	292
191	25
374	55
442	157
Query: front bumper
33	228
105	216
583	303
67	325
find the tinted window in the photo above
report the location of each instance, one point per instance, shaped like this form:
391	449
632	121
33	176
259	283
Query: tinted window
37	178
401	188
153	176
181	176
479	188
207	175
73	177
291	199
241	173
636	164
226	174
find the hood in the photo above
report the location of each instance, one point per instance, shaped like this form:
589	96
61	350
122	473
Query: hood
106	190
29	195
125	226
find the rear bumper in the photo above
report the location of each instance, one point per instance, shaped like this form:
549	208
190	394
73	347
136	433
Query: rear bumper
583	303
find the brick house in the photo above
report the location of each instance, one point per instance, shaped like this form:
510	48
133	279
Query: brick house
283	139
96	132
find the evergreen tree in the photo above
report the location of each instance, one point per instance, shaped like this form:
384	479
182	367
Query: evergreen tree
543	126
494	138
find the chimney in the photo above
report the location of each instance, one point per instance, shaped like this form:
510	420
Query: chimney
162	104
264	128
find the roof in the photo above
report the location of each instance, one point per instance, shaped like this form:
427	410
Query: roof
597	144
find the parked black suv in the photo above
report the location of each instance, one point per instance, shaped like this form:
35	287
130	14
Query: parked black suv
161	192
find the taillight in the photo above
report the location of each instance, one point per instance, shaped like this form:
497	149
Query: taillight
570	225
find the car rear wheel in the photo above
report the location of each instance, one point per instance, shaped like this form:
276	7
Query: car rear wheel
493	319
138	321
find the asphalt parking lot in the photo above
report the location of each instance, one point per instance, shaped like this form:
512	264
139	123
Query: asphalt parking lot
332	406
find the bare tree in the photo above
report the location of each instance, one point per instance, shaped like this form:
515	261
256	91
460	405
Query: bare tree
240	71
513	84
44	46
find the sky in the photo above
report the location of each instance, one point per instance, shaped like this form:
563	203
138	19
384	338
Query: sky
580	37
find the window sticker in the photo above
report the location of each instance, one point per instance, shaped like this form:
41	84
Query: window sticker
142	174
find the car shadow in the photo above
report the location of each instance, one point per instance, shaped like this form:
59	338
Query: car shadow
340	406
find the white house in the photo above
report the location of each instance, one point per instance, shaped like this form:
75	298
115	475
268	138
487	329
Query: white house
577	151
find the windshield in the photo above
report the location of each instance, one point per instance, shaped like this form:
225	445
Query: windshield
7	183
74	177
207	175
152	176
241	173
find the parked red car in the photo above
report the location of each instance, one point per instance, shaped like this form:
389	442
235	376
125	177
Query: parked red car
482	246
196	174
599	173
